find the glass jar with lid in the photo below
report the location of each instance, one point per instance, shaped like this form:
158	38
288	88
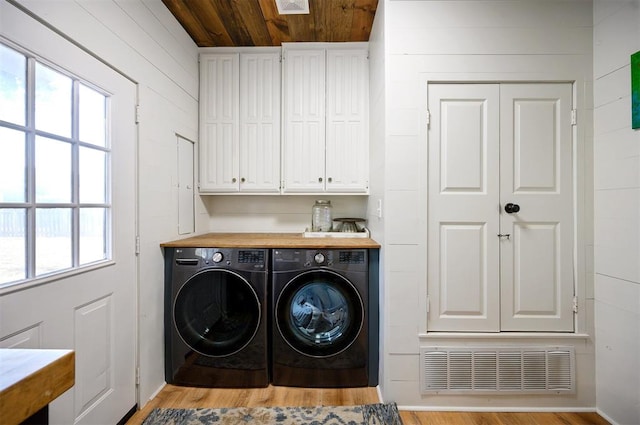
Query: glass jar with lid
321	216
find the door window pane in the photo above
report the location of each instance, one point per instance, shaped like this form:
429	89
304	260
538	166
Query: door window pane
93	225
12	165
93	120
13	83
12	244
92	176
53	170
53	240
53	101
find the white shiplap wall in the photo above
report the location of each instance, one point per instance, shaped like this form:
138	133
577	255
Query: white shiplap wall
469	41
144	42
617	213
377	159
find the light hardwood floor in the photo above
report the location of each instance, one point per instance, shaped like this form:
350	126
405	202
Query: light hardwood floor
185	397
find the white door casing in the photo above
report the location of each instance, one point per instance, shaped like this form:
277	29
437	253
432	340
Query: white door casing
490	145
93	312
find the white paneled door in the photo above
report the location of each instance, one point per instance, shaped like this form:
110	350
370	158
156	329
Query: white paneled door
92	311
500	249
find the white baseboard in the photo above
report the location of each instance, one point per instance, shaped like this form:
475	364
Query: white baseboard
604	415
498	409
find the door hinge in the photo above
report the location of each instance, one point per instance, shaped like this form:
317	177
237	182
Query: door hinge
574	117
575	304
428	118
428	307
137	114
137	245
137	376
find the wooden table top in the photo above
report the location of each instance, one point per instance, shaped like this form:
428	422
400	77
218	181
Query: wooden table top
269	240
32	378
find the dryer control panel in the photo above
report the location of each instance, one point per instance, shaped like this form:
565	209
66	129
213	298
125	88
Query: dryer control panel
234	258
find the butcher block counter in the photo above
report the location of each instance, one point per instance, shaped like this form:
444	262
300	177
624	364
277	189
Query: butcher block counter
269	240
30	379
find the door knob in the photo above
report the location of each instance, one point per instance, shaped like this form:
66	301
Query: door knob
511	208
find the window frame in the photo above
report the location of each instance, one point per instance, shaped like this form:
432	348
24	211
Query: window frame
29	205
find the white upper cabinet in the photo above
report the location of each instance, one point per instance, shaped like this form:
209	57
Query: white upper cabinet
347	125
240	122
325	135
219	122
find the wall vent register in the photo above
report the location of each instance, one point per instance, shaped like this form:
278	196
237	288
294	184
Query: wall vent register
502	370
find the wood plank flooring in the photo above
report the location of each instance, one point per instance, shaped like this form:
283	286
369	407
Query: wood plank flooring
186	397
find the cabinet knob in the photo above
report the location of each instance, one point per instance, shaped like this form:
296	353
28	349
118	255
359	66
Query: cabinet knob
329	179
233	180
319	179
242	180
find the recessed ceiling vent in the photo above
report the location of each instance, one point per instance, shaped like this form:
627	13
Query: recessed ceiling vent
293	7
502	370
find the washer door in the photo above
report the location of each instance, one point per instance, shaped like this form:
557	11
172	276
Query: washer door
217	312
319	313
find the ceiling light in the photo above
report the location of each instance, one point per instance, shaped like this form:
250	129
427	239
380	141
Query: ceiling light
293	7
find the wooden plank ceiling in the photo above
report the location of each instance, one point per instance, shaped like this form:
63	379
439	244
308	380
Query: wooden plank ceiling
214	23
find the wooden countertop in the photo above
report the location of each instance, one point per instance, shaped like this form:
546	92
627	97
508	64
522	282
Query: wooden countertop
30	379
268	240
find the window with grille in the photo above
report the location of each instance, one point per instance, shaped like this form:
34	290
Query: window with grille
55	208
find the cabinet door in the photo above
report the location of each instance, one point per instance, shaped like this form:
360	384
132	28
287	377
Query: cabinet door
463	248
219	113
347	155
304	121
536	174
493	267
260	122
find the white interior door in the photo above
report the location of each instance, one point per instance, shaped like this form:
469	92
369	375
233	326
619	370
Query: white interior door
488	269
93	312
463	249
536	175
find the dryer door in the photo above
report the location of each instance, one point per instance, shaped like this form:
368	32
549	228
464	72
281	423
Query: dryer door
319	313
216	312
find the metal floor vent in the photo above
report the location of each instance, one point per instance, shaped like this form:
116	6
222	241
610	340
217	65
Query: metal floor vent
497	370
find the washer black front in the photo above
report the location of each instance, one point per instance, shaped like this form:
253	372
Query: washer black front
320	323
216	318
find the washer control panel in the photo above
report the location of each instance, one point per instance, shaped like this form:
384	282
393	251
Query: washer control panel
339	259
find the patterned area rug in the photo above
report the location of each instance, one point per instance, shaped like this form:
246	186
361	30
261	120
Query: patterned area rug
368	414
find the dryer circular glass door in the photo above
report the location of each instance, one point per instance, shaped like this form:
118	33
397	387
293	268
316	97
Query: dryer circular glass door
216	312
319	313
